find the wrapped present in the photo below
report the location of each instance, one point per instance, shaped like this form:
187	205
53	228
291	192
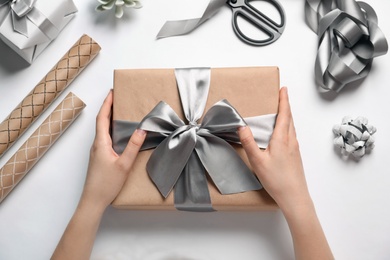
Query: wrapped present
192	159
29	26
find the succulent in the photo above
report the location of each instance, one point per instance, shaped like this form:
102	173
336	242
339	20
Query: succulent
118	4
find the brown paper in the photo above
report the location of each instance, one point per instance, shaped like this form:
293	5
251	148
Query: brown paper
47	90
38	143
252	91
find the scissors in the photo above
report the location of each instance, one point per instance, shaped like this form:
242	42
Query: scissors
243	9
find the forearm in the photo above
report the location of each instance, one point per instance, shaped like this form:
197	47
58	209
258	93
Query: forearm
78	238
308	237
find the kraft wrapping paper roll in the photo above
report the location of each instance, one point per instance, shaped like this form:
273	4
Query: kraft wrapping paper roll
38	143
47	90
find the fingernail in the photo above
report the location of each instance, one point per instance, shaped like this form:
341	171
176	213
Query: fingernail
141	132
241	128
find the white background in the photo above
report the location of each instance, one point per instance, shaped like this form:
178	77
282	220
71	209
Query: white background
352	197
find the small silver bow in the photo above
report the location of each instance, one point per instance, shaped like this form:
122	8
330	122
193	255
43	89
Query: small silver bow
23	10
354	136
19	10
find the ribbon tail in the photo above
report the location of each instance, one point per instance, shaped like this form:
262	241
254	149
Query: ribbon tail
19	24
169	159
226	168
180	27
262	128
191	189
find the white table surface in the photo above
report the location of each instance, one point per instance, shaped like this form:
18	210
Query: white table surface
352	198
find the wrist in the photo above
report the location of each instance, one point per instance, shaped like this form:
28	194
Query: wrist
91	205
298	208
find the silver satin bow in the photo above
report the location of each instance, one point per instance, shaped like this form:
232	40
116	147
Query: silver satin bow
21	10
349	40
184	151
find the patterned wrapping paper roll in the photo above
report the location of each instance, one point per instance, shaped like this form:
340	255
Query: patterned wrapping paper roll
38	143
47	90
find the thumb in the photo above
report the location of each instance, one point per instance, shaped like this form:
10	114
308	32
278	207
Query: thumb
133	146
250	146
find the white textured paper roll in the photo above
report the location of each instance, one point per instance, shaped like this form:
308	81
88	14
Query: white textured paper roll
47	90
38	143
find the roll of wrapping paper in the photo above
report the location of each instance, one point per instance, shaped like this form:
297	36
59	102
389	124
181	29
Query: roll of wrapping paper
50	87
38	143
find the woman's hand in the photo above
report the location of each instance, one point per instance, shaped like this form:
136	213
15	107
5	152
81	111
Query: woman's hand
280	170
279	167
107	171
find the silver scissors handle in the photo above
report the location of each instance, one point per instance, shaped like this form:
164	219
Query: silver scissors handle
243	9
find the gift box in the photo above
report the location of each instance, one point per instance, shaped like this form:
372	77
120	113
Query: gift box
252	91
28	27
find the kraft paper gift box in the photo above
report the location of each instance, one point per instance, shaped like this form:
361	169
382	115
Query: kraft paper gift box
252	91
44	22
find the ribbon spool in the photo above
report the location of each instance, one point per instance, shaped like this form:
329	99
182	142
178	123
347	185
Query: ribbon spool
354	136
349	40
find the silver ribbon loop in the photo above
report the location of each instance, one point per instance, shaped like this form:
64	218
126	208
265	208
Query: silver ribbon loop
349	40
21	10
22	7
184	152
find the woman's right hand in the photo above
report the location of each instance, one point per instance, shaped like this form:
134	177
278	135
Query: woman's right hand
279	167
280	170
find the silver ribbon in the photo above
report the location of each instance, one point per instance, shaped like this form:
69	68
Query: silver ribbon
21	10
349	40
354	136
184	151
180	27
